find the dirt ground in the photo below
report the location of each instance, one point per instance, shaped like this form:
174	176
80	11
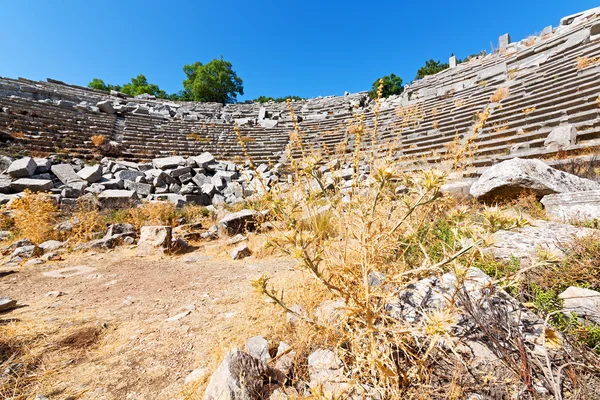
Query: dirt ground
134	328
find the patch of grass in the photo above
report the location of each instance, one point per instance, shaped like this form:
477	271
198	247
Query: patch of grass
34	216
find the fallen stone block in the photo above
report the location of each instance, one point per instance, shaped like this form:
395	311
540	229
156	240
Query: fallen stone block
65	173
141	189
524	243
168	162
573	207
511	177
203	160
105	106
91	174
239	222
117	198
34	185
21	168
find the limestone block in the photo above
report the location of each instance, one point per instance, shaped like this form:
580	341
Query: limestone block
21	168
35	185
508	178
573	206
91	174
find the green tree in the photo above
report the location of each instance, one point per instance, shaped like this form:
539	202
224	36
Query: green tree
215	82
431	67
140	85
99	84
264	99
392	85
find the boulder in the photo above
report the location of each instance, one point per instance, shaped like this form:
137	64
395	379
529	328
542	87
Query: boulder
91	174
239	222
42	165
509	178
35	185
583	302
241	377
21	168
154	240
51	245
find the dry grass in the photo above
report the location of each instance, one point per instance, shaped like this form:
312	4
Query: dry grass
34	216
98	140
198	138
529	110
585	62
31	351
499	95
411	116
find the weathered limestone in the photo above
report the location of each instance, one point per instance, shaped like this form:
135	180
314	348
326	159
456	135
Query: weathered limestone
573	207
34	185
239	222
22	168
240	377
524	243
168	162
65	173
561	137
583	302
510	177
117	198
91	174
154	240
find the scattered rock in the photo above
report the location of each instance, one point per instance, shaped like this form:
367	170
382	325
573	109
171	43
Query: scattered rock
258	347
154	240
7	304
511	177
240	252
573	207
583	302
239	222
241	377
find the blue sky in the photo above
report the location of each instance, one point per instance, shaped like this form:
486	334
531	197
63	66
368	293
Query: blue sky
306	48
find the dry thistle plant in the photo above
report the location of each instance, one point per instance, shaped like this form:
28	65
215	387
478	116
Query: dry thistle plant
345	235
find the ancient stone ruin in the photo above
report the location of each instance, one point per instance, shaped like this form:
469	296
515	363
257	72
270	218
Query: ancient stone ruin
540	94
530	106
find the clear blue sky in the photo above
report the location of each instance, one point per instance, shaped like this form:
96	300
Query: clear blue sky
306	48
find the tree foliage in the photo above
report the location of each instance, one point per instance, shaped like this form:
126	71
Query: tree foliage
431	67
99	84
140	85
392	85
213	82
264	99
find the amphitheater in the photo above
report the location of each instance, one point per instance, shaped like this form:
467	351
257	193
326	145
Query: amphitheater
393	288
551	82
